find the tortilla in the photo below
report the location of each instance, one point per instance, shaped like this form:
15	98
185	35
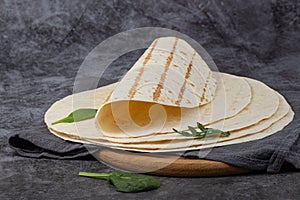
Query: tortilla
237	98
170	75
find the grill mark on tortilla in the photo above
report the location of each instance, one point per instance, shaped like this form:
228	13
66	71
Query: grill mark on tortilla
187	76
140	72
108	97
204	89
157	92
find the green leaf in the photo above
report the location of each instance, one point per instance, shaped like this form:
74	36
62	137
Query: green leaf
201	135
201	127
211	131
182	132
126	182
193	130
204	132
78	115
175	130
185	133
225	134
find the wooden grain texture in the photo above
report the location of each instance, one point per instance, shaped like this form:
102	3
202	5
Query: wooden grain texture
165	165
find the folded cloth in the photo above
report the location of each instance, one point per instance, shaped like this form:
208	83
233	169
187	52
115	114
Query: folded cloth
268	154
37	142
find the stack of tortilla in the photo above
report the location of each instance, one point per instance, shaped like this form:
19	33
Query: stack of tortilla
171	86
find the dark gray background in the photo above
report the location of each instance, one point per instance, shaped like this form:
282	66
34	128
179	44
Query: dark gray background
44	42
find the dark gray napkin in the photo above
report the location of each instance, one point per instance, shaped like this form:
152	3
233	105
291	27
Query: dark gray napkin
37	142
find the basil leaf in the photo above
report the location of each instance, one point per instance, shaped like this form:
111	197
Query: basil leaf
78	115
126	182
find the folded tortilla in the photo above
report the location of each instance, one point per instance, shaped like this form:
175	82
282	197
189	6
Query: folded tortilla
170	75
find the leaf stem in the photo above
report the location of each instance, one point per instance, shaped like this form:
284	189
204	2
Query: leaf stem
95	175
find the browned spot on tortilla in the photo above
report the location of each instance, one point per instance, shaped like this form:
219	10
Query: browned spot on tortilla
192	84
202	98
140	72
183	53
150	53
175	65
187	76
203	93
156	93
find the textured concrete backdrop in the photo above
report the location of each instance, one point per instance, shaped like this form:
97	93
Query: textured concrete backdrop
43	43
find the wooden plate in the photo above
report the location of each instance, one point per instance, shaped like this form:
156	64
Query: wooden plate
166	165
